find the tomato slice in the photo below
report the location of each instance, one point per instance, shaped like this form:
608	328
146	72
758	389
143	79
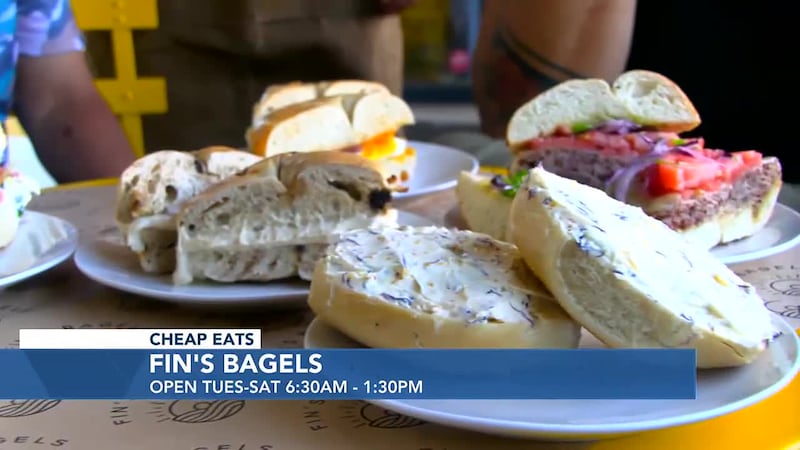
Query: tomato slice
677	176
741	161
681	173
687	170
750	158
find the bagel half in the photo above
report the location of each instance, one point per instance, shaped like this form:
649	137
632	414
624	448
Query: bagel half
432	287
631	280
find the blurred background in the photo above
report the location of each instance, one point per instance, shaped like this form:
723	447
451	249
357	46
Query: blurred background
184	74
439	39
218	55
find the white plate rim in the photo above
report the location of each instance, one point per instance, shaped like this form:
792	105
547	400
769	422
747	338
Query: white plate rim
54	256
235	294
549	431
442	185
772	250
780	209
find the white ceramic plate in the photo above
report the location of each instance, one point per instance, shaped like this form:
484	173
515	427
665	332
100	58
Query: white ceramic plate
42	242
107	261
719	392
781	233
437	169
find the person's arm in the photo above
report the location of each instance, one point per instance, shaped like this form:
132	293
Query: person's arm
527	46
70	125
74	132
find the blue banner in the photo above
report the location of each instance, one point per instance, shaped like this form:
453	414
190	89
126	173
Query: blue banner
347	374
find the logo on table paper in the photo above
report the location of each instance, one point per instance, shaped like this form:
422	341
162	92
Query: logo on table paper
356	414
363	414
9	310
178	411
779	286
790	287
24	408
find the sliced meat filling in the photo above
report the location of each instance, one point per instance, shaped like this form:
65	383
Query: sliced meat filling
748	191
674	179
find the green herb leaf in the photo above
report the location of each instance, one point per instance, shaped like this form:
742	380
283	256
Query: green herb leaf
580	127
517	179
679	141
511	184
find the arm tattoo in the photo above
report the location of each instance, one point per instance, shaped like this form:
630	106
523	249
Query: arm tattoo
514	74
527	59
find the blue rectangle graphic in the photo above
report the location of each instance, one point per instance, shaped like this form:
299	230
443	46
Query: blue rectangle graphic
332	374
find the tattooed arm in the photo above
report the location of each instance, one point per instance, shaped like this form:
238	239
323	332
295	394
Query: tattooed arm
527	46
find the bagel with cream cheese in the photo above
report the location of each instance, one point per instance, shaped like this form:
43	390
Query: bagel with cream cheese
432	287
152	189
631	280
275	219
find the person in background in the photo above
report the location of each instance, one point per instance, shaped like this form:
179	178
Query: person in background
729	58
46	83
218	56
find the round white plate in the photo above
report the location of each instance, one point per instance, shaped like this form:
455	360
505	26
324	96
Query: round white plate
42	242
107	261
781	233
437	169
719	392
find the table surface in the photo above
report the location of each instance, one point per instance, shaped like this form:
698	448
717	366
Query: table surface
62	297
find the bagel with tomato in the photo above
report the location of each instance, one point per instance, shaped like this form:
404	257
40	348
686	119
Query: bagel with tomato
624	138
351	116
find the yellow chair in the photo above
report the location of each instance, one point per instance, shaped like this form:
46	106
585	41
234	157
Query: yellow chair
128	95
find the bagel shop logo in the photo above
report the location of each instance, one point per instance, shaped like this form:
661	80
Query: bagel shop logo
16	409
779	286
319	415
30	441
10	409
184	413
174	412
11	310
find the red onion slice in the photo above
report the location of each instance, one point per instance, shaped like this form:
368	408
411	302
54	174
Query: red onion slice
620	182
618	126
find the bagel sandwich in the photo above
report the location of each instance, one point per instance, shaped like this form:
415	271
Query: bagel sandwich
353	117
275	219
152	189
626	139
